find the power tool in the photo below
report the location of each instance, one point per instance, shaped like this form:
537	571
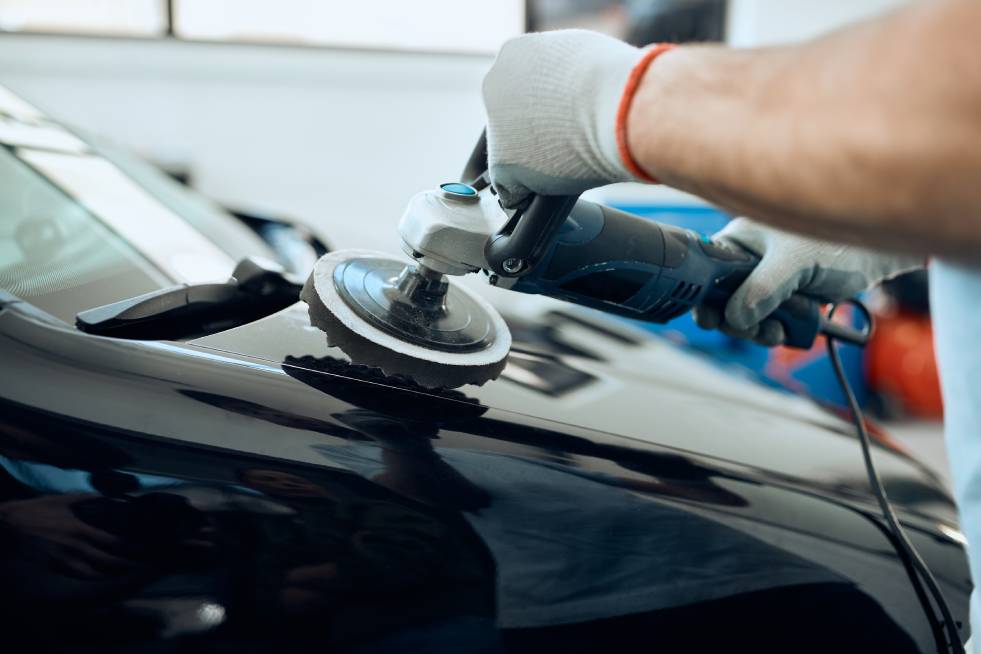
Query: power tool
409	320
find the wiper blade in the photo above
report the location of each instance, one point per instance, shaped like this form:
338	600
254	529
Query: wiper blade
257	288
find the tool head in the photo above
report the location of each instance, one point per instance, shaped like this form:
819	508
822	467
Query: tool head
405	319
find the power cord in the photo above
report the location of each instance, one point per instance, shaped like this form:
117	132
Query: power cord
915	566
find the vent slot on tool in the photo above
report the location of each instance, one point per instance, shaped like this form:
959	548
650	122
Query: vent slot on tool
664	310
686	292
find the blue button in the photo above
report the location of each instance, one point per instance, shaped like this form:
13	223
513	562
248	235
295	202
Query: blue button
458	189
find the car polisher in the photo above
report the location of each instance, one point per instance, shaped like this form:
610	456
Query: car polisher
409	320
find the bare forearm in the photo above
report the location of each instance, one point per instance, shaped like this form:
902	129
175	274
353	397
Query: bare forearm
871	135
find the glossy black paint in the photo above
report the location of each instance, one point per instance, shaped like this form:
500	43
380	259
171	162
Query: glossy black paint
309	504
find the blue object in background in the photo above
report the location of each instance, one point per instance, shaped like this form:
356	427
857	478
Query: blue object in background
810	373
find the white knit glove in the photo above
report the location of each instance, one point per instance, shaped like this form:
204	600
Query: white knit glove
552	101
789	264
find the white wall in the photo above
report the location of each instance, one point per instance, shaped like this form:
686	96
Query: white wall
766	22
339	139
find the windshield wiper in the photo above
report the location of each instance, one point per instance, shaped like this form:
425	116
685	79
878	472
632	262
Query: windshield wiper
257	288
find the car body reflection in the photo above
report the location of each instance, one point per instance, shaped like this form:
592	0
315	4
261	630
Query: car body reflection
110	559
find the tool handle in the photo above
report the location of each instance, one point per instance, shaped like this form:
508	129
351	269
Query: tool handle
475	172
799	315
631	266
518	246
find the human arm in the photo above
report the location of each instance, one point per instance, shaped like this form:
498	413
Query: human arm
871	135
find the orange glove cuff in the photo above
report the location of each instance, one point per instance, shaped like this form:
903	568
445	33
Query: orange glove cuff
633	82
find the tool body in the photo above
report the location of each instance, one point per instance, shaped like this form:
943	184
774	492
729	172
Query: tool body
592	255
631	266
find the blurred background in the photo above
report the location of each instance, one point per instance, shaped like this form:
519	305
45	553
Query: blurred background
332	114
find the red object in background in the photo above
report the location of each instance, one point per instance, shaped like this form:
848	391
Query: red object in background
901	366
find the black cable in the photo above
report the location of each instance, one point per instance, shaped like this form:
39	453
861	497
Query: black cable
953	642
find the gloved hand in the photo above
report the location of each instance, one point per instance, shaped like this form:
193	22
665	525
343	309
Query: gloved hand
552	101
789	264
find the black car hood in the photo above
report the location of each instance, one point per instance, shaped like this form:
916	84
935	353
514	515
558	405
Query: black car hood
583	369
275	497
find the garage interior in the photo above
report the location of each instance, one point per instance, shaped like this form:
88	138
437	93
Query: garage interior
327	117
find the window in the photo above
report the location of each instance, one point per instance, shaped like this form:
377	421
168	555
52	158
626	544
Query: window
147	226
57	255
470	26
109	17
435	25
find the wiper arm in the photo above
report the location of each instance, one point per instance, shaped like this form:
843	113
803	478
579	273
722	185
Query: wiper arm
257	288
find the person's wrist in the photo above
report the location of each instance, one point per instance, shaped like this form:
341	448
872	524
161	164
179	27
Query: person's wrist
643	132
601	82
631	89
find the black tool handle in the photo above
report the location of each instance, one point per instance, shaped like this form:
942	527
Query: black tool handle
518	246
475	172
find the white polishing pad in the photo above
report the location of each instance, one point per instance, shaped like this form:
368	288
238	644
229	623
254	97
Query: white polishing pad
369	345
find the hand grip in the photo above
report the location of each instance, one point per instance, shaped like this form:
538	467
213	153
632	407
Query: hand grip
801	319
519	245
800	315
475	172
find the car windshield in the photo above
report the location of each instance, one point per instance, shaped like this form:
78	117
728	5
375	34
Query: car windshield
206	217
55	253
83	225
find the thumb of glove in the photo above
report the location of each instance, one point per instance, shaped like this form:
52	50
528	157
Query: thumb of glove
766	288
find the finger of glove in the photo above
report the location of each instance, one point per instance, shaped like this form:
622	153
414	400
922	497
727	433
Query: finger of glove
747	333
707	317
766	288
833	285
771	333
744	233
510	193
768	333
514	183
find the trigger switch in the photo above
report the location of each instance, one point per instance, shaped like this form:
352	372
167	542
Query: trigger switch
722	252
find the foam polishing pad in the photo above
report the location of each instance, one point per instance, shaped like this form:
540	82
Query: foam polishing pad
408	322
